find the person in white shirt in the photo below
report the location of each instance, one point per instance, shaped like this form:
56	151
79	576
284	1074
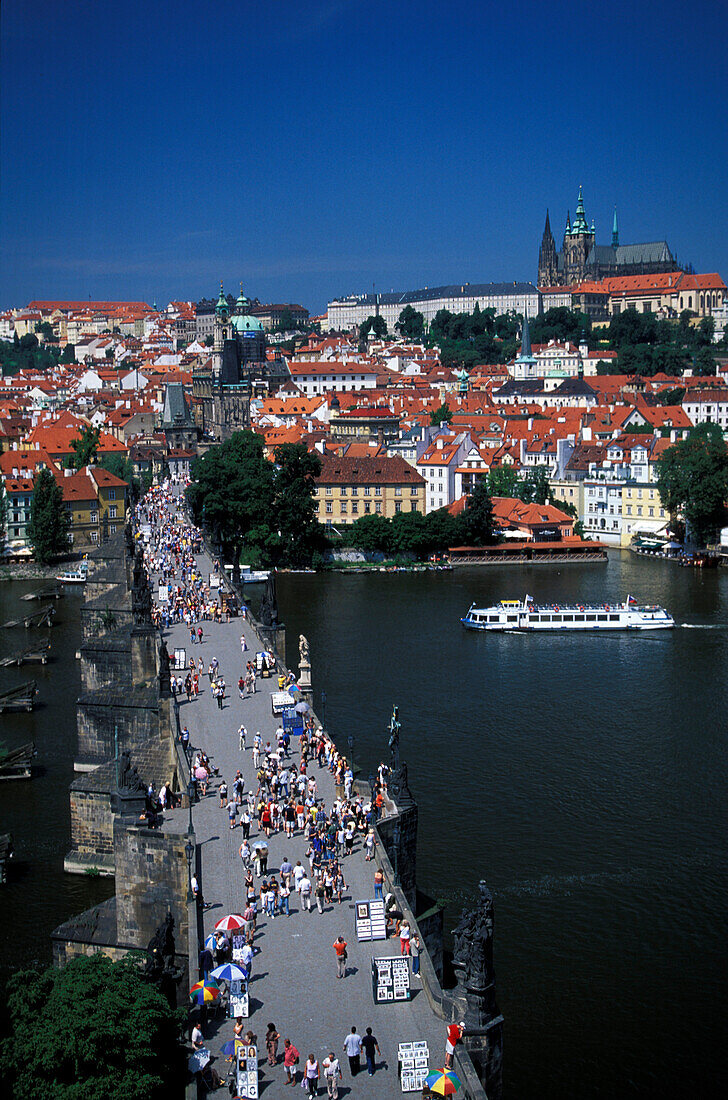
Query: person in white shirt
305	891
196	1037
332	1075
352	1046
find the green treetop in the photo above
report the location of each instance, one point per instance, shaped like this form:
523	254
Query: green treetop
692	480
86	447
50	524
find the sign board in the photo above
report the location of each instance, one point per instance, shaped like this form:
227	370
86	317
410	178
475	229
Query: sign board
238	1001
163	593
412	1059
371	923
390	979
180	659
214	581
238	945
280	701
246	1072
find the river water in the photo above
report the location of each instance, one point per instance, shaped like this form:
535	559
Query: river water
38	895
584	776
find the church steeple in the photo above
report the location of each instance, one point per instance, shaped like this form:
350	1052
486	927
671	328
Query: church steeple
615	231
525	352
548	265
580	225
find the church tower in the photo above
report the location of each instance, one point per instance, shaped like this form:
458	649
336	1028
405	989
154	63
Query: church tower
221	333
548	267
578	243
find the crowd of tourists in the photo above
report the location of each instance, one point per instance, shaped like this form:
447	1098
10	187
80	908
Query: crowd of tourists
283	804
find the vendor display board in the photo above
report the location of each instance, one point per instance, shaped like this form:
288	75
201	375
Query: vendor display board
412	1059
390	979
163	593
246	1062
238	945
214	581
238	1000
180	659
280	701
371	923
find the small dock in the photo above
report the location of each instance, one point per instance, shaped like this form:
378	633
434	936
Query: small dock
38	618
53	592
37	655
17	764
21	697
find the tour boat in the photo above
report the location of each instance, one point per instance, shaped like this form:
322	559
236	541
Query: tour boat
527	615
74	576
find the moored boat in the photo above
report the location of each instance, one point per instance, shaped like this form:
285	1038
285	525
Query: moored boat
525	615
74	576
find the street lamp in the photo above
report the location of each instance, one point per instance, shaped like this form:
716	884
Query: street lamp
190	797
396	834
323	709
189	852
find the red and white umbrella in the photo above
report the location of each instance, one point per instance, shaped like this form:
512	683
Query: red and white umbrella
230	923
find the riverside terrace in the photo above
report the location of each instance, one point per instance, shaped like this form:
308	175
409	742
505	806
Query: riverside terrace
293	982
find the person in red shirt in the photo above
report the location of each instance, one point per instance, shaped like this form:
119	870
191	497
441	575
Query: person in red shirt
340	949
290	1061
454	1035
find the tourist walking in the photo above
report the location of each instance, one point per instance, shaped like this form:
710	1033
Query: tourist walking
341	956
415	948
378	882
271	1044
291	1058
242	734
370	1045
311	1075
332	1075
352	1046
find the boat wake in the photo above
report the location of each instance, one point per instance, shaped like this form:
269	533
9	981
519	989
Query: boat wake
704	626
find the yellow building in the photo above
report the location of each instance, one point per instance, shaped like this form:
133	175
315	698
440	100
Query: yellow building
642	512
569	492
97	504
350	487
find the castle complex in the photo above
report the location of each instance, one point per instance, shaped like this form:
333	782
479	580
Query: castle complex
581	259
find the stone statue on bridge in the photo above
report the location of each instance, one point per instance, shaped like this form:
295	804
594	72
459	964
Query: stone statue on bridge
303	650
473	958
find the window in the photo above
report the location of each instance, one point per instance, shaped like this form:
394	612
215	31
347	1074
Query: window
355	506
398	490
112	528
112	512
344	507
398	506
329	490
343	490
367	506
367	490
650	511
94	517
378	490
329	506
354	490
413	490
94	536
639	509
378	507
413	506
112	494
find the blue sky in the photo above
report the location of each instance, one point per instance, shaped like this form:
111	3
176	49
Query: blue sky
150	149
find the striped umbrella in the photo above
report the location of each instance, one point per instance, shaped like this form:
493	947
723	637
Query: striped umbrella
210	942
204	992
228	972
230	923
443	1082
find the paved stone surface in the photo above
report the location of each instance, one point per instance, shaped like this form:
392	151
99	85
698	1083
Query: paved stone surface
294	982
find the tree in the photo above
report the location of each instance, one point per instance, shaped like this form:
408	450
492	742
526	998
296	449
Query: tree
477	519
86	447
122	466
411	324
68	355
233	494
45	328
372	534
50	524
535	487
503	481
376	325
443	415
692	479
294	506
286	322
107	1034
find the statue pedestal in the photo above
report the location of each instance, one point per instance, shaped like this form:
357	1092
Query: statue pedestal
304	676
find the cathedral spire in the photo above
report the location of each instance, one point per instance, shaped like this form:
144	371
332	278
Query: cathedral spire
525	352
547	227
580	225
615	231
